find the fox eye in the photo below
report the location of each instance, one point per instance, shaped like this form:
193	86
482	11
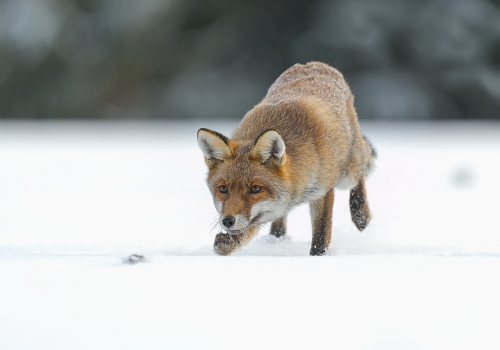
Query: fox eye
255	189
222	189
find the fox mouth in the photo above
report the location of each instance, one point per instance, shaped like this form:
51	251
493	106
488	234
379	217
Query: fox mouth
255	219
252	223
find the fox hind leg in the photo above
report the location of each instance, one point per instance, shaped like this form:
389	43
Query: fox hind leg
321	217
278	227
360	212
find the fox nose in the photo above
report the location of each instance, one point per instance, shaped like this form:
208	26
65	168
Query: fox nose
228	221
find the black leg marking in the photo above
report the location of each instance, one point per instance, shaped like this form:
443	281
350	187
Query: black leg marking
360	212
225	243
278	228
321	213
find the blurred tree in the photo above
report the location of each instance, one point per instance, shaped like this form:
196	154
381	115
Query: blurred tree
216	58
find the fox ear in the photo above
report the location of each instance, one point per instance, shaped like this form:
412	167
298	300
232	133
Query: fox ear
213	145
269	145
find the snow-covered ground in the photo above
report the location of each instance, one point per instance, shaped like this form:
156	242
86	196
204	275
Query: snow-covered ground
77	198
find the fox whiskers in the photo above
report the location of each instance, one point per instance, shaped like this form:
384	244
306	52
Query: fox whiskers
215	225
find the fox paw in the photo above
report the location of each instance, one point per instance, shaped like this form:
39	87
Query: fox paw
361	219
318	250
225	243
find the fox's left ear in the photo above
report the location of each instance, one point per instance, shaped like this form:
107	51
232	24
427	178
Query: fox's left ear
214	146
269	145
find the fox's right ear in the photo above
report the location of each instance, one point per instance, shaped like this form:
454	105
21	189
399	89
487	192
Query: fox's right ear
214	146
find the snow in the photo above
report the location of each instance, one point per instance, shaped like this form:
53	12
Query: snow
77	198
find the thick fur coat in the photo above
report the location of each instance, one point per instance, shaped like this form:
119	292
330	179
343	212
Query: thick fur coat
298	144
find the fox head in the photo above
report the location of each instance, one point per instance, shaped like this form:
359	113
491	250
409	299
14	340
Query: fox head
247	178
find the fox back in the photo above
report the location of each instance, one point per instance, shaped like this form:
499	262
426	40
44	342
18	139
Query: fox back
298	144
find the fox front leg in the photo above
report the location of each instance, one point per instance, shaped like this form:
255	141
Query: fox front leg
226	244
360	212
278	227
321	217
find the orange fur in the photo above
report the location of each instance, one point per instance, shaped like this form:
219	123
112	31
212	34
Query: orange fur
298	144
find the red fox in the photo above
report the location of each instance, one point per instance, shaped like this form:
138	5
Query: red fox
298	144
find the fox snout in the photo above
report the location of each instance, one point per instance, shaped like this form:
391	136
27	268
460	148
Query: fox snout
234	224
